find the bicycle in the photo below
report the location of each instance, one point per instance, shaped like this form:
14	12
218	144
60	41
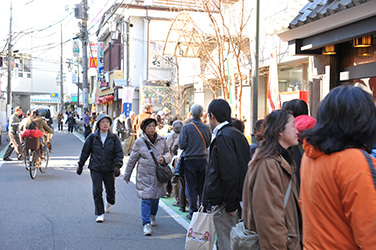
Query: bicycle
33	160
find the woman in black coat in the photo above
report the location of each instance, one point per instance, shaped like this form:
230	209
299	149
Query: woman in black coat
106	159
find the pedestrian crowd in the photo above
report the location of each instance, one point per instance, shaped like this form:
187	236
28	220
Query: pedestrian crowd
304	183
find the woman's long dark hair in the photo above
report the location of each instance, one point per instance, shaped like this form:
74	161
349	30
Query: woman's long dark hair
346	119
274	124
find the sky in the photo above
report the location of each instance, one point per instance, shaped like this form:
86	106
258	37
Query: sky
37	26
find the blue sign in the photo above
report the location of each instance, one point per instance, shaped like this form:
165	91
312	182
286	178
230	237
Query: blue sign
54	95
127	108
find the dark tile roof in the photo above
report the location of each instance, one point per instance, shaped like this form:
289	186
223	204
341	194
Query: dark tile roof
318	9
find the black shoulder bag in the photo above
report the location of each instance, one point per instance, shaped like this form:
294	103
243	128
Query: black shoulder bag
164	173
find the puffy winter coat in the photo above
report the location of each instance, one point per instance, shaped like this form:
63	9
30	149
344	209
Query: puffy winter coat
147	184
103	157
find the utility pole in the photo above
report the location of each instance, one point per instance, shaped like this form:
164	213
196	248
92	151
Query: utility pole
84	34
61	71
255	70
78	85
9	87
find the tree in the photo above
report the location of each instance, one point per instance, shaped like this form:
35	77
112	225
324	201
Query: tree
226	44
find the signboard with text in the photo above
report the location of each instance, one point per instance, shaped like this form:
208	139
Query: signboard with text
76	48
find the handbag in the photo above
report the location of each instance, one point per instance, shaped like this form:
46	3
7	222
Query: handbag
242	238
163	172
201	231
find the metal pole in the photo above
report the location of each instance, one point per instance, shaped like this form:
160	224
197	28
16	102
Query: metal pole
78	85
9	87
128	22
61	71
255	70
85	85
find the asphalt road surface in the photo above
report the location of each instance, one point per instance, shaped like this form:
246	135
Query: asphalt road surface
56	209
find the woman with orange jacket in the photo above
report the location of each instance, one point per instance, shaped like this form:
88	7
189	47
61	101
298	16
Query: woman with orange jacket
337	195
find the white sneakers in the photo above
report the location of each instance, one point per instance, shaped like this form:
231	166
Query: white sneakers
153	222
108	208
100	218
147	230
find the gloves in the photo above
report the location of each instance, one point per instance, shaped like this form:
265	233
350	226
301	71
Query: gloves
79	170
117	171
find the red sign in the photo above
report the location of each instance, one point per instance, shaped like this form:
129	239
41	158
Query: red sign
93	62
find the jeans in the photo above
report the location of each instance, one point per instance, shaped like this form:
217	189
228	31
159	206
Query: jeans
148	207
194	171
108	178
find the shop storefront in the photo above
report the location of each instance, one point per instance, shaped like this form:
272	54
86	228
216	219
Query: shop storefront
341	39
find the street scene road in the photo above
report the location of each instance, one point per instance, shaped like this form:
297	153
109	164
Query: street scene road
56	210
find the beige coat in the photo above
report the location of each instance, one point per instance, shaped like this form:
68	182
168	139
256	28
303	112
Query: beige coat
147	184
264	189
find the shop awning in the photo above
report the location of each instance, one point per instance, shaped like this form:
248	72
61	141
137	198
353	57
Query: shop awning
120	82
321	23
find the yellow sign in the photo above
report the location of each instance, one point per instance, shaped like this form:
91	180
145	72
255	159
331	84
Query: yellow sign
93	62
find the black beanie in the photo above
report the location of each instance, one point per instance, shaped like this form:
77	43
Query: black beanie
146	122
220	109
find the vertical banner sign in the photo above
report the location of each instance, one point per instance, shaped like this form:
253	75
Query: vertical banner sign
85	97
93	55
76	48
126	95
100	60
93	62
273	85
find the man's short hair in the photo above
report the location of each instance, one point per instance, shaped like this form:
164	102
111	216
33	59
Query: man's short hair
18	108
196	110
220	109
147	107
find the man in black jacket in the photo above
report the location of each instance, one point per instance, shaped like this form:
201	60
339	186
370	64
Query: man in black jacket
228	164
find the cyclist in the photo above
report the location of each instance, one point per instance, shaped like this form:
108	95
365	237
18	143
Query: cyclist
41	125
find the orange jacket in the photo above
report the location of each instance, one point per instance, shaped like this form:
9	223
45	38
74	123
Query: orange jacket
338	200
138	120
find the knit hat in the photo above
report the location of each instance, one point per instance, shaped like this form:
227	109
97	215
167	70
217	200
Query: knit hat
100	117
304	122
146	122
220	109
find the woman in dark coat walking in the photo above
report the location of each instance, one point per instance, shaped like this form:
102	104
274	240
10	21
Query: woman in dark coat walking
106	159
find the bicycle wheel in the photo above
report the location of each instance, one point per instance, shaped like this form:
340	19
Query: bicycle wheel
33	163
44	162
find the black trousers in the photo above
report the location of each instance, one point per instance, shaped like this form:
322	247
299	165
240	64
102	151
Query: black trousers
60	126
70	128
87	131
194	171
108	179
182	197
